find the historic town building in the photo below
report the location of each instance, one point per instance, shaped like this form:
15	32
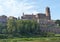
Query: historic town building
40	16
44	20
3	19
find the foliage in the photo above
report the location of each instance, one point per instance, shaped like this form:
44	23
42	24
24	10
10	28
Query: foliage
57	22
11	26
21	28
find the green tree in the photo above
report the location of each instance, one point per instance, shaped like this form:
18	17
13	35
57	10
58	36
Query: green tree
11	26
57	22
1	26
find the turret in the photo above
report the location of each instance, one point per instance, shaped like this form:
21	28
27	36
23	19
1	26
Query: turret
48	13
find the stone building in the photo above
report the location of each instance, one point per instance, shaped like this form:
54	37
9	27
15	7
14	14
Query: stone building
40	16
3	19
44	19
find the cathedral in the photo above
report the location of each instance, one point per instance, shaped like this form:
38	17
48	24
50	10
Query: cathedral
44	20
41	16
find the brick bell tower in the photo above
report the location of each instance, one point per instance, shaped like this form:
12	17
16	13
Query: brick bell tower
48	13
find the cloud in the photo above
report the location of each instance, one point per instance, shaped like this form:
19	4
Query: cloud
16	7
1	9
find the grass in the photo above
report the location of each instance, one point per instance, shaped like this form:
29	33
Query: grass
58	35
42	39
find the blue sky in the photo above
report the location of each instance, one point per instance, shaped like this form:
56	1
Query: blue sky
17	7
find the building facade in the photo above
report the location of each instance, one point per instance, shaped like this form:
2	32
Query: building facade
42	18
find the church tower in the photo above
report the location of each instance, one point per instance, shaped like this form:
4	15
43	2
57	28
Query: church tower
48	13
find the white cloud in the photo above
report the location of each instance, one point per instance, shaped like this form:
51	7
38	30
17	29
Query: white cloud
16	7
1	9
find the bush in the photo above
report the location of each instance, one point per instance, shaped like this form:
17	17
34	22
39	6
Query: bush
3	36
49	34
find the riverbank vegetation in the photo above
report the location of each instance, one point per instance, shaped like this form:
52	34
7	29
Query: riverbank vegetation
22	29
